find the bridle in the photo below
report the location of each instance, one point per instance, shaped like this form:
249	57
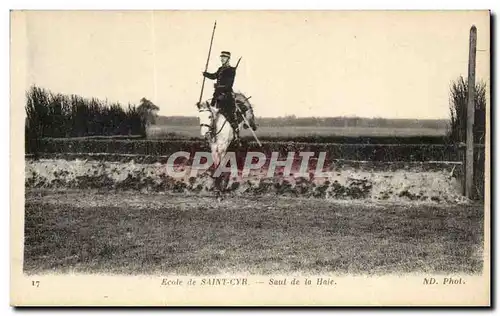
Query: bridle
211	117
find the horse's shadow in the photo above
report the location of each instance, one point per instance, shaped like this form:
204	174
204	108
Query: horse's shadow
221	188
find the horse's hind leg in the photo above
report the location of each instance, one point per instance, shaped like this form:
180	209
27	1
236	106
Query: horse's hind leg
252	125
251	119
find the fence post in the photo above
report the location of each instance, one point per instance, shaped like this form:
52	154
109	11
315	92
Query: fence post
469	159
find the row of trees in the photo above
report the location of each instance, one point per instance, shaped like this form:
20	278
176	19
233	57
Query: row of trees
57	115
339	121
343	121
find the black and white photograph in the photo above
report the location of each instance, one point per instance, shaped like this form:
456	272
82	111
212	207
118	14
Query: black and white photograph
250	157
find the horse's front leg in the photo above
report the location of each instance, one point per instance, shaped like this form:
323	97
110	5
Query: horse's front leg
215	156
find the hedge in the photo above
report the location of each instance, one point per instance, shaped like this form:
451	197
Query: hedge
363	152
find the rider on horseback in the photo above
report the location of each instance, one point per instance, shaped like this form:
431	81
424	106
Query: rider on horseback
223	93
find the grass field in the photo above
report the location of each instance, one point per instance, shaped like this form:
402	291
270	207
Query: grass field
189	131
88	231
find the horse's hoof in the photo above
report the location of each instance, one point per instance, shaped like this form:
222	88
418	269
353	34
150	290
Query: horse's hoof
218	196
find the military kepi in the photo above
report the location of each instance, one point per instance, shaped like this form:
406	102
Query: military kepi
225	54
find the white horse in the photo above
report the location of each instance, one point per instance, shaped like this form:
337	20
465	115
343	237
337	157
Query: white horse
216	129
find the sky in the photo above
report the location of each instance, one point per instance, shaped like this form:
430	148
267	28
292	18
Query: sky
395	64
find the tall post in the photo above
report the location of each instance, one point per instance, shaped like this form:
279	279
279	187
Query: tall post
208	59
469	159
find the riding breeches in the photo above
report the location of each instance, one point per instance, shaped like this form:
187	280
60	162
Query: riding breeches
224	101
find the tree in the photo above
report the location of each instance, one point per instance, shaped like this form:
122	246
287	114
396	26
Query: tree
458	111
148	111
458	124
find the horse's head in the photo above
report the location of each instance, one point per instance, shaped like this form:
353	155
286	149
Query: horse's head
206	115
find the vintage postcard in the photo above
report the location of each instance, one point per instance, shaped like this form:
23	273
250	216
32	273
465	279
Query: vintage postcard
250	158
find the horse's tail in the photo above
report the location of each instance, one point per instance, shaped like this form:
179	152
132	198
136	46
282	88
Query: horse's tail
246	107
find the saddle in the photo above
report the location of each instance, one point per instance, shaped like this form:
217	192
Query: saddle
238	106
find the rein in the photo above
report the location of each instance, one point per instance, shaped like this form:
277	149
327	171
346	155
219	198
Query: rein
224	124
209	126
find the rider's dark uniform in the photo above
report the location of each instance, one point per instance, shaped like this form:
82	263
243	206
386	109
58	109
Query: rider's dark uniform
223	91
